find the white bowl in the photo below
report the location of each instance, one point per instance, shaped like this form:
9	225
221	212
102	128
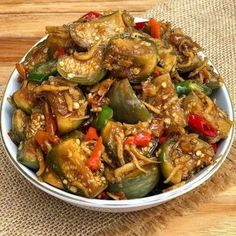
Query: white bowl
224	101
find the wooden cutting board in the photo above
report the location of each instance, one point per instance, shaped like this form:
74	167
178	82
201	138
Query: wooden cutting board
22	23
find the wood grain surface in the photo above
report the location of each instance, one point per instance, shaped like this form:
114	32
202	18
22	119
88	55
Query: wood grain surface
22	23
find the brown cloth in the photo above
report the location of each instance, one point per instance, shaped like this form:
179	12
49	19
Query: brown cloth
25	210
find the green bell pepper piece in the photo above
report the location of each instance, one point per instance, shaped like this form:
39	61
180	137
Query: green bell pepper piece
104	116
42	71
187	86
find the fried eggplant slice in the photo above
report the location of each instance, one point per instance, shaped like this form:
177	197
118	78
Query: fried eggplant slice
69	162
85	34
131	56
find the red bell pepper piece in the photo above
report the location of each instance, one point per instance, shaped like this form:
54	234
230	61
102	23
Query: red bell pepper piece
94	161
49	121
141	139
129	140
59	52
139	25
155	28
91	15
41	137
91	134
201	125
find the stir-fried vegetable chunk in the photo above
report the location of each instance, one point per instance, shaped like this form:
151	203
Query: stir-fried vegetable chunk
29	154
24	98
135	183
160	98
125	104
19	123
69	161
209	113
69	107
83	71
182	157
87	33
131	56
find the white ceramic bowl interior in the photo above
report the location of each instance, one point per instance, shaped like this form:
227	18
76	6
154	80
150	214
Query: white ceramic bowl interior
224	101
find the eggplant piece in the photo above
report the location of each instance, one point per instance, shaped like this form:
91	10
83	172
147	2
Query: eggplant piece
215	82
67	124
50	177
128	19
183	156
83	71
166	162
69	109
36	55
189	65
185	48
199	104
131	56
60	81
75	134
125	104
137	184
160	93
205	74
19	123
28	154
85	34
35	124
58	37
69	162
24	98
108	136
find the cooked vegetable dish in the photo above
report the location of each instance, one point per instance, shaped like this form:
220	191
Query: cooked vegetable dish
110	109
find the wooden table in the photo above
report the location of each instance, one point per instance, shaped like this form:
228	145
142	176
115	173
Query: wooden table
22	23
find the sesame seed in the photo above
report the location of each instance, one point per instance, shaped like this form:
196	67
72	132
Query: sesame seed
61	63
198	153
77	141
147	44
167	121
45	50
165	97
221	115
20	146
65	181
163	84
76	105
136	71
73	189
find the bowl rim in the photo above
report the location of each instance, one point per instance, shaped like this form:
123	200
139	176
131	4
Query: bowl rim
148	201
